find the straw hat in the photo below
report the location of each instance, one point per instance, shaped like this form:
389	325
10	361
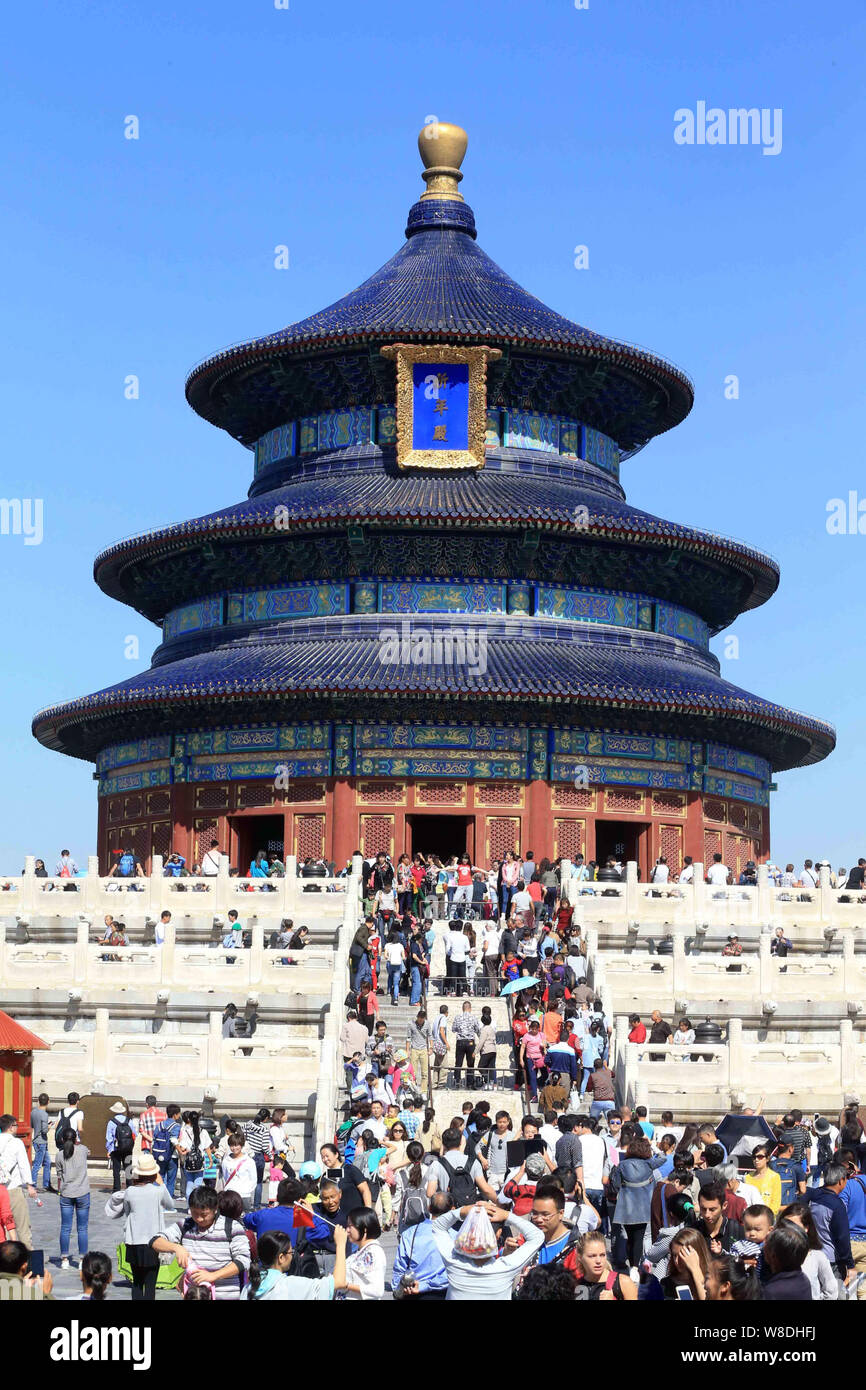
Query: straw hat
147	1167
118	1108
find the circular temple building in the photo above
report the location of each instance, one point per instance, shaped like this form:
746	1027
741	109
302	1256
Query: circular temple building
436	622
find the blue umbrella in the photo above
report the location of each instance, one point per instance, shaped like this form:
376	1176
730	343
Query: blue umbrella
522	982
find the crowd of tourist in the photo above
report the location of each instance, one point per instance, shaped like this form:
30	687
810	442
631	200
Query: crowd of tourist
565	1205
580	1198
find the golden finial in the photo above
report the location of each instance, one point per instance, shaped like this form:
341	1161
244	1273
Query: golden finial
442	147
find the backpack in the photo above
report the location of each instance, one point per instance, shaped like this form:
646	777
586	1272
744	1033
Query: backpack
305	1262
160	1145
126	866
124	1139
194	1161
461	1184
825	1150
415	1206
63	1130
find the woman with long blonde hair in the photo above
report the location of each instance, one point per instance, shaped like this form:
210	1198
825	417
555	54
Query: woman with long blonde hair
596	1276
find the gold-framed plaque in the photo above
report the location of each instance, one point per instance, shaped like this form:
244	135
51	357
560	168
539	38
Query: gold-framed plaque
441	404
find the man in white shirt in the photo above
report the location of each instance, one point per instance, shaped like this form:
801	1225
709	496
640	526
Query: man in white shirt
210	865
159	929
660	873
457	951
576	962
376	1122
72	1117
15	1174
551	1134
718	875
594	1156
687	873
808	879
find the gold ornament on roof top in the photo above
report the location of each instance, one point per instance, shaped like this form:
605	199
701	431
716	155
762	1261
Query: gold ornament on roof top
442	147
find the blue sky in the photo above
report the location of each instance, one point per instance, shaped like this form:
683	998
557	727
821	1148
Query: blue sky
260	127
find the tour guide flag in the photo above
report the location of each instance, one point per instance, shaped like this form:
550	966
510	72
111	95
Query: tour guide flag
302	1216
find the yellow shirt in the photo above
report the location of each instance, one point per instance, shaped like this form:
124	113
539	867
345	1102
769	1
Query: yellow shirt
769	1184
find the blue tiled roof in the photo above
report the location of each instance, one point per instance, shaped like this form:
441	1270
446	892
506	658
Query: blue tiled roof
584	672
461	499
440	285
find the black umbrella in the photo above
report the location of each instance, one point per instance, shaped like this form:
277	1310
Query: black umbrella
742	1133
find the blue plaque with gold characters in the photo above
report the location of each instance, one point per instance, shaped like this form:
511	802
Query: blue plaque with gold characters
441	404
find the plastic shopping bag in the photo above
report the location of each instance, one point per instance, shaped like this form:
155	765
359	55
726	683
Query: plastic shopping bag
476	1237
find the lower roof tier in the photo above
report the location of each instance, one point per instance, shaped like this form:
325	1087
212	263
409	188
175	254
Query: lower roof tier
591	535
649	683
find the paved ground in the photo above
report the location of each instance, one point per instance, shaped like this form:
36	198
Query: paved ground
104	1234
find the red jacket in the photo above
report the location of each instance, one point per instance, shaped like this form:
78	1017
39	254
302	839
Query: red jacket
7	1220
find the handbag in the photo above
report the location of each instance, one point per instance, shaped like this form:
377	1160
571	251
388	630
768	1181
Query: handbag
168	1276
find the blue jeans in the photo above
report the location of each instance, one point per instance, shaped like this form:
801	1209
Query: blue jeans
587	1073
80	1208
191	1180
259	1161
601	1107
394	973
415	996
41	1160
532	1077
595	1196
362	973
507	895
168	1173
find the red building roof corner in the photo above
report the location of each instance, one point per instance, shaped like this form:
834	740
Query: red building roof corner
14	1038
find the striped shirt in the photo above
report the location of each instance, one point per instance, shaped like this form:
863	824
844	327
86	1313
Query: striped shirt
800	1138
258	1137
214	1248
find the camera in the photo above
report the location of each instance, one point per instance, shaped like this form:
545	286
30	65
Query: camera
406	1282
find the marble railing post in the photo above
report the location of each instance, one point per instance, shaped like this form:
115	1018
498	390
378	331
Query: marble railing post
736	1058
765	902
167	954
848	1057
80	954
631	902
92	885
257	949
679	968
100	1045
214	1047
766	970
827	898
220	898
849	966
27	895
699	893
